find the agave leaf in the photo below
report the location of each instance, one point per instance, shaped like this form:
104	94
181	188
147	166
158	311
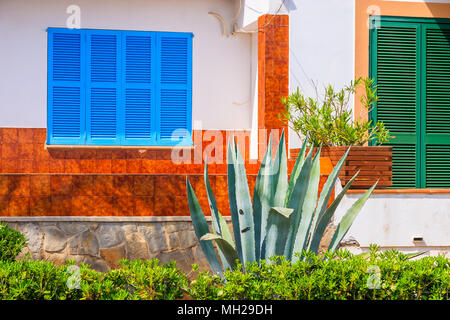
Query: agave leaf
415	254
201	228
296	171
231	177
348	219
216	217
364	255
325	218
280	176
240	205
277	231
226	247
327	191
296	202
261	200
308	208
245	211
286	212
226	234
211	200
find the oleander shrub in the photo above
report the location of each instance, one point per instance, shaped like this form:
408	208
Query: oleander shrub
136	280
11	242
335	275
338	276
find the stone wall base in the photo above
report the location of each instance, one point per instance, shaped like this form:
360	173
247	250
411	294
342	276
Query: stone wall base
102	242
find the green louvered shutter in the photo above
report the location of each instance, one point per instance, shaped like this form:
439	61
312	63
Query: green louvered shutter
436	98
395	68
103	87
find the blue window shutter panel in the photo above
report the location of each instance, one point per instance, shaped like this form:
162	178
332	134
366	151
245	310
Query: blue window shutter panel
174	88
138	48
65	92
104	125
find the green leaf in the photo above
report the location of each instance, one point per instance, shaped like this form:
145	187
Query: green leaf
296	170
280	176
231	177
201	228
414	254
262	200
245	211
240	205
348	219
286	212
277	231
325	218
216	217
308	207
327	191
227	248
296	202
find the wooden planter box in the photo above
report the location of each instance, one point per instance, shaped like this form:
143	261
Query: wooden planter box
374	163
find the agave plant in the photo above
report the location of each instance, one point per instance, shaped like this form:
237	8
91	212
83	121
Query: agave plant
285	217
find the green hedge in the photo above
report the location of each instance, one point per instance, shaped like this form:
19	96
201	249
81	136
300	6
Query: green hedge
11	242
136	280
339	276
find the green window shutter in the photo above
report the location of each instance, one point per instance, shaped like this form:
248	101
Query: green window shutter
436	99
395	68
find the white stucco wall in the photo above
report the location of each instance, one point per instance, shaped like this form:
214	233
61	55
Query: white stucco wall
321	47
393	220
222	79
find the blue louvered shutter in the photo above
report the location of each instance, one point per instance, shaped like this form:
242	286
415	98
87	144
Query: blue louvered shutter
103	87
65	113
174	88
138	50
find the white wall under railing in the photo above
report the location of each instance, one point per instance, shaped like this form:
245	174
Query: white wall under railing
394	220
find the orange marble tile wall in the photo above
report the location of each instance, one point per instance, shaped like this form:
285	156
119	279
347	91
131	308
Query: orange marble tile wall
22	150
106	195
98	182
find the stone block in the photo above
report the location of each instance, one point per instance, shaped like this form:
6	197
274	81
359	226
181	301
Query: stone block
84	243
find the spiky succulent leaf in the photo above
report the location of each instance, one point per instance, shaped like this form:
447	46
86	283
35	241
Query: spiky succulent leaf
216	217
280	175
296	171
327	191
201	228
231	178
308	208
324	220
277	231
296	202
414	254
348	218
245	210
285	212
229	252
